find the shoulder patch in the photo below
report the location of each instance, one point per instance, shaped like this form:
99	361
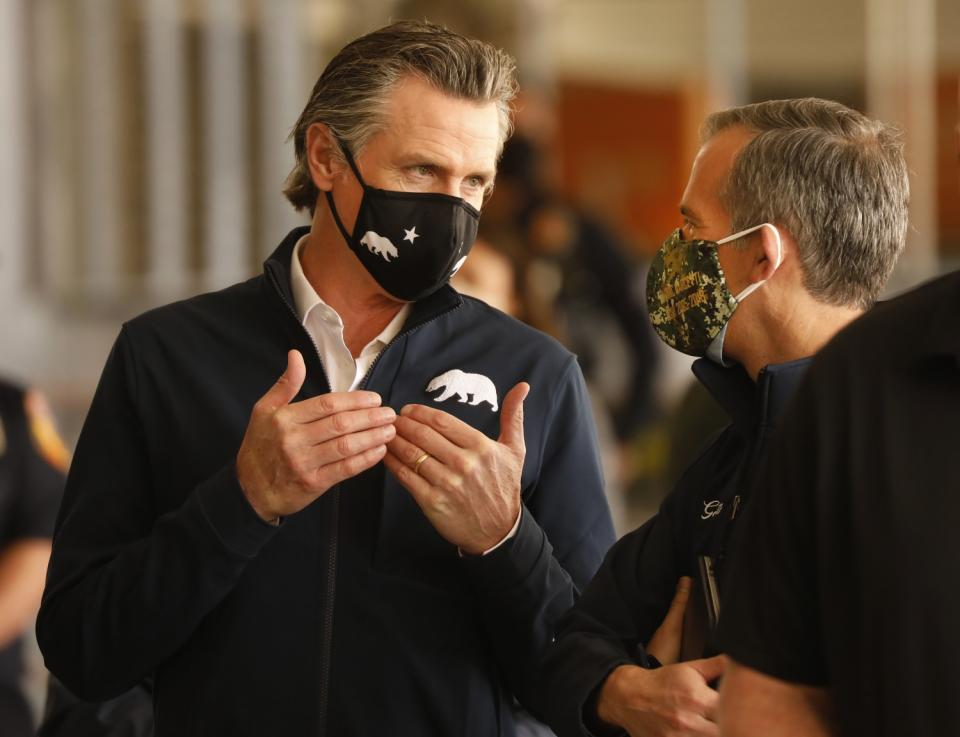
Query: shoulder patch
43	431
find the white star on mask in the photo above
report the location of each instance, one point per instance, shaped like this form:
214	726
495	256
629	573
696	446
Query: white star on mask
411	235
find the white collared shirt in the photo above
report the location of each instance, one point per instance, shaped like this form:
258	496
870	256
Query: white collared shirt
325	326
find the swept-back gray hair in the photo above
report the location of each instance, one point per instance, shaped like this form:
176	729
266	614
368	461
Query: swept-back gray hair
351	94
834	178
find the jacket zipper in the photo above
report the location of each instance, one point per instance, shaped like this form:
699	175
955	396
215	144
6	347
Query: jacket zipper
332	547
326	646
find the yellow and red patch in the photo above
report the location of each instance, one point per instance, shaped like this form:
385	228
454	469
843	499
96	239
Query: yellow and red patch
43	431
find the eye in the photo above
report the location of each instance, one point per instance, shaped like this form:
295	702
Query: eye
421	170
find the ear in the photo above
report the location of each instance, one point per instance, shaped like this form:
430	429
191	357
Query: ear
767	260
323	156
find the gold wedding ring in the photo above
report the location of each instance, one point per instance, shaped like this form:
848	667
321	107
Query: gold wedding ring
420	460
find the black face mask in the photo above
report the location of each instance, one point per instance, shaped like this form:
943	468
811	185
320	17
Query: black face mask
410	242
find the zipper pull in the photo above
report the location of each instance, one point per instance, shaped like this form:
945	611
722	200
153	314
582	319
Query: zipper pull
736	507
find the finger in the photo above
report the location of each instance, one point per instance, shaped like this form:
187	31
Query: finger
709	668
418	486
453	429
667	640
429	441
511	417
325	405
287	386
344	423
711	705
334	473
345	446
431	469
679	604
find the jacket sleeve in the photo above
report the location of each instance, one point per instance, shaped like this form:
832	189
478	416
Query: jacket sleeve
526	584
610	624
126	588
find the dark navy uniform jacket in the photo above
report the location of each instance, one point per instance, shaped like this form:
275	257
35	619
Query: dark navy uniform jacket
627	600
354	617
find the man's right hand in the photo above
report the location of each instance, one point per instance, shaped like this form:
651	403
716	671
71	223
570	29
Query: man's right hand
672	701
292	453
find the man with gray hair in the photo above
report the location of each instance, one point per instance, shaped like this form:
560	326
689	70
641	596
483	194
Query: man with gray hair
373	544
793	218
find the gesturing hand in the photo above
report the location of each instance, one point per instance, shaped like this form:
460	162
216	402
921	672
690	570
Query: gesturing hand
467	485
672	701
292	453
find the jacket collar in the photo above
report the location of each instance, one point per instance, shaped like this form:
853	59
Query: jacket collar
751	405
277	271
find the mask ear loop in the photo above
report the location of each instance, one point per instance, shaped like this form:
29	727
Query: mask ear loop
356	172
776	234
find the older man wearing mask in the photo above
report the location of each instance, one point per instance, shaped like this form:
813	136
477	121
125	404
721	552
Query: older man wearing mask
379	543
793	217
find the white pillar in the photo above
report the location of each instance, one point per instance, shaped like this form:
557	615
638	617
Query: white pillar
534	43
226	237
284	92
99	149
901	77
725	53
14	146
166	133
56	160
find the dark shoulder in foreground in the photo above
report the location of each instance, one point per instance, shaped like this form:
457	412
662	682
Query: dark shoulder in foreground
924	320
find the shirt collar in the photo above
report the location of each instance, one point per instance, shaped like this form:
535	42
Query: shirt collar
306	300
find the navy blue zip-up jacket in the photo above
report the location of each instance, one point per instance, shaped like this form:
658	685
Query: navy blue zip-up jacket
354	617
629	597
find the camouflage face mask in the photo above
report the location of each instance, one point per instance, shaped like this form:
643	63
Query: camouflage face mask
688	299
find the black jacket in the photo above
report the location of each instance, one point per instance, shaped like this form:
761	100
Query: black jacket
628	598
354	617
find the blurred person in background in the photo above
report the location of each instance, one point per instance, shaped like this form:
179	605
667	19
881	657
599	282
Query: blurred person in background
793	218
244	544
488	275
33	461
577	284
843	608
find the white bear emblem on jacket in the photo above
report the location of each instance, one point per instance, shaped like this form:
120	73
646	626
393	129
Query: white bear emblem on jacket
379	245
463	385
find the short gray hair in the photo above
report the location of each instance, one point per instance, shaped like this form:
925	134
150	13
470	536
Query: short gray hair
834	178
351	94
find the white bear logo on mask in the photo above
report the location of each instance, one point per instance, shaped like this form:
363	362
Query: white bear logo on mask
463	385
379	245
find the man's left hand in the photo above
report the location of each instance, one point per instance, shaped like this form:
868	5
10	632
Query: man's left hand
467	485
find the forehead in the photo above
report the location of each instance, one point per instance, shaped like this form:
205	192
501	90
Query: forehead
712	165
423	119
